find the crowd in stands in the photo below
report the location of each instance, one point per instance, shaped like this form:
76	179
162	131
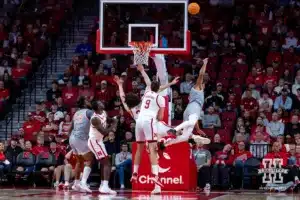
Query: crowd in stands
252	94
27	29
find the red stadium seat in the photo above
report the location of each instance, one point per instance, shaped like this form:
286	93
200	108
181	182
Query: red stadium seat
209	132
225	75
229	125
241	68
225	135
185	98
228	116
228	59
226	68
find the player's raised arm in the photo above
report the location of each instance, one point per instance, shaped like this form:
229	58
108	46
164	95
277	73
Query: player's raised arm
174	82
98	125
145	75
199	83
122	93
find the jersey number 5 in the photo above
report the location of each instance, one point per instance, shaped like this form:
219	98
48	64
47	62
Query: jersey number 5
147	104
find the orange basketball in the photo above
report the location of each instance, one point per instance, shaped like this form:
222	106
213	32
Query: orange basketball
194	8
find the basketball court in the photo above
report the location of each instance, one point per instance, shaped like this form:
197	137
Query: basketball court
50	194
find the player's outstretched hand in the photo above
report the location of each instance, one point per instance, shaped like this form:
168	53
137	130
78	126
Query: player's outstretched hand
205	61
140	68
175	80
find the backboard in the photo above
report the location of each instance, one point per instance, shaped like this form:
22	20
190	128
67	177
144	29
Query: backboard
163	22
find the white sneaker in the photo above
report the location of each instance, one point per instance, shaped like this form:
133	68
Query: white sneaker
76	187
206	189
157	190
202	140
107	190
84	188
66	185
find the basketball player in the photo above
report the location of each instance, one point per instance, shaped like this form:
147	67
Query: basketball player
192	113
132	103
98	129
78	143
152	110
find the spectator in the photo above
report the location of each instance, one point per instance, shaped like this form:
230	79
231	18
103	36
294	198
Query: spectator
216	145
111	145
50	128
58	168
123	163
259	146
244	134
30	128
4	93
84	47
69	94
239	159
290	41
211	120
39	115
279	87
283	101
274	128
87	91
221	166
254	92
39	148
296	85
5	165
186	86
101	92
128	139
203	161
265	103
249	103
214	100
54	92
292	127
65	126
13	150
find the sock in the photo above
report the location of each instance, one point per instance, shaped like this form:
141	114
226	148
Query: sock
105	183
296	178
66	182
135	168
57	182
155	170
67	173
101	184
86	173
76	182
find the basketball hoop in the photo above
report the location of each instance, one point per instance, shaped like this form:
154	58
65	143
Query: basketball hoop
141	52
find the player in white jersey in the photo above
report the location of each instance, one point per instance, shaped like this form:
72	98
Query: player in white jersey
191	114
152	111
101	125
132	103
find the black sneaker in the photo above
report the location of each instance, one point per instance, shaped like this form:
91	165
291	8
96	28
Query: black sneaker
191	141
172	132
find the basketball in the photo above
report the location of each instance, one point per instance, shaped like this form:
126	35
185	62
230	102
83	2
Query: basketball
194	8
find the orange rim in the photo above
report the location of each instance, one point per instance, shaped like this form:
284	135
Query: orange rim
143	46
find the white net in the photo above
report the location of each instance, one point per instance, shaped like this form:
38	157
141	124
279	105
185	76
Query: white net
141	52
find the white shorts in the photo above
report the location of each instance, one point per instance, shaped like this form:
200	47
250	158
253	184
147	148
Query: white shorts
98	148
78	146
149	130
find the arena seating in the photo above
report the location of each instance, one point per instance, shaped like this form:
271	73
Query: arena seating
257	48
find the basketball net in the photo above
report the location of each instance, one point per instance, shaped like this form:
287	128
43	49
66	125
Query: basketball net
141	52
